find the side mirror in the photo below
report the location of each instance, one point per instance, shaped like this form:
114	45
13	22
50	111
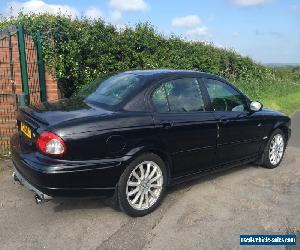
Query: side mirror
256	106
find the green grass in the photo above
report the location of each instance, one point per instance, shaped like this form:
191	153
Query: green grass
279	92
287	104
284	94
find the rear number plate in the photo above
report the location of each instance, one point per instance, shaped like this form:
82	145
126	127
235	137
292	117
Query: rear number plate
26	130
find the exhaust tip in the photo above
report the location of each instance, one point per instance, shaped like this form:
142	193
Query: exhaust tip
15	176
38	199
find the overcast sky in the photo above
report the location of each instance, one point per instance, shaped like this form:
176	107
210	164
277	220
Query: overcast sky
266	30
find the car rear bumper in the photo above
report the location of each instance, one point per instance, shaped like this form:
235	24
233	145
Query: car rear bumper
18	177
59	178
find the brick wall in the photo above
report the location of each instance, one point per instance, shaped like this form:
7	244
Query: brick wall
8	78
52	90
11	83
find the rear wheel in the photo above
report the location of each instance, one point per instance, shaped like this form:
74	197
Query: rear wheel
274	149
142	185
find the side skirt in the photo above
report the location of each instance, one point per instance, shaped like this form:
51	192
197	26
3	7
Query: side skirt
220	168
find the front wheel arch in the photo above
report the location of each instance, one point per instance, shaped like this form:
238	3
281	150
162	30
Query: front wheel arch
283	126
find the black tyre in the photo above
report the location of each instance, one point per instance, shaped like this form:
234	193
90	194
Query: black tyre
274	150
142	186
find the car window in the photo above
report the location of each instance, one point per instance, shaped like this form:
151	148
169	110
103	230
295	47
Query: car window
223	97
180	95
115	89
159	100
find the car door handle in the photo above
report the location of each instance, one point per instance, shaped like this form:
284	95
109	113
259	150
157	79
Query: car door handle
166	125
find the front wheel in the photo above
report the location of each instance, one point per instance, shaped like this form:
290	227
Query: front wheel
142	185
274	150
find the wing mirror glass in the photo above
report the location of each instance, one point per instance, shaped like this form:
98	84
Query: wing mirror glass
255	106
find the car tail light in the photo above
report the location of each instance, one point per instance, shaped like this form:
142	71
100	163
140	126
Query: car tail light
51	144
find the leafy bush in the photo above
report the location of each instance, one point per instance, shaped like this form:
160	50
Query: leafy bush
81	50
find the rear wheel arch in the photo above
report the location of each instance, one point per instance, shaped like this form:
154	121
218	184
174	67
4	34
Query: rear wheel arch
166	158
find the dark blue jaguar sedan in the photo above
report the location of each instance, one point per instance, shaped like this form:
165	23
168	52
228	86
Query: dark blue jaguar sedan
139	132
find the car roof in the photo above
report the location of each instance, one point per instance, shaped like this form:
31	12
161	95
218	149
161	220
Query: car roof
157	73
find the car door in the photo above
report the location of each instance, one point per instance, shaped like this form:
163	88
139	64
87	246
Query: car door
184	125
240	132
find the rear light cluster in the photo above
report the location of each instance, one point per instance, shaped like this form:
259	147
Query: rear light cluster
51	144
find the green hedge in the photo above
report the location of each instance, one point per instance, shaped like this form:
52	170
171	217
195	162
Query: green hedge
81	50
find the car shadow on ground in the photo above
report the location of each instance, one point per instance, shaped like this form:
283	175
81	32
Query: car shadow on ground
63	204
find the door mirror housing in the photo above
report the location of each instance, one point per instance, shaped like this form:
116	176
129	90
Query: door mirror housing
256	106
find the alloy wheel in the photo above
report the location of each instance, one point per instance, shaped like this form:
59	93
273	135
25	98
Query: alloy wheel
144	185
276	149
